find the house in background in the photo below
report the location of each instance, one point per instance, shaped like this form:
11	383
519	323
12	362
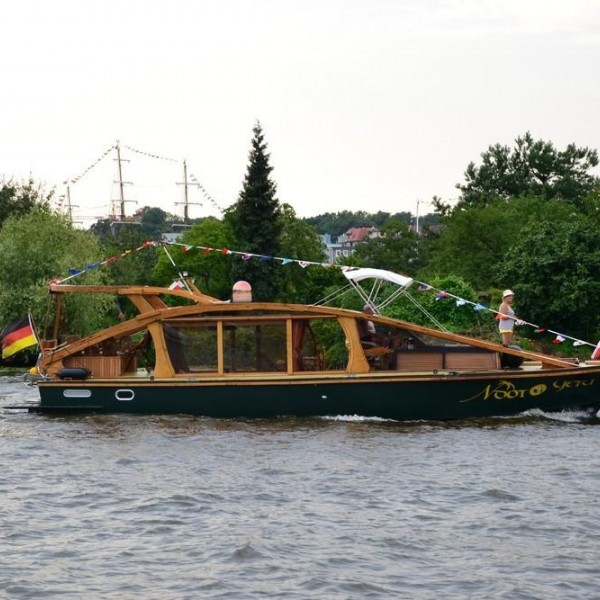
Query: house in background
346	243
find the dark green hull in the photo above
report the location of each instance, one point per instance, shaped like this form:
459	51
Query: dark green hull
442	396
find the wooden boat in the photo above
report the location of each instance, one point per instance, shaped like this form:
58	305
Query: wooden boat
256	359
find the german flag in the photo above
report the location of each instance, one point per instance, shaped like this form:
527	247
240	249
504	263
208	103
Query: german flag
17	336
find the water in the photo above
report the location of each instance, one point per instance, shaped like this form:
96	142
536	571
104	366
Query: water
186	507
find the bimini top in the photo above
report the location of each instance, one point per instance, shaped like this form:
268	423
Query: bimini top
356	275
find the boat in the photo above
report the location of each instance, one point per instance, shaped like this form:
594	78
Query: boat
186	352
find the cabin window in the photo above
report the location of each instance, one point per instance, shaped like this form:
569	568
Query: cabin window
318	344
192	347
254	347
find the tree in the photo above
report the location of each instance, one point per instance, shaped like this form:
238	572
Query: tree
398	249
17	199
256	222
532	167
553	268
452	315
300	241
478	239
36	248
338	223
211	271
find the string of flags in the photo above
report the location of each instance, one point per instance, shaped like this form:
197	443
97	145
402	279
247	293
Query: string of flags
149	154
440	295
109	261
94	164
206	195
559	339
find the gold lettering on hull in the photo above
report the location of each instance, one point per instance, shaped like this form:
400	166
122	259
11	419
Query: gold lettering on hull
506	390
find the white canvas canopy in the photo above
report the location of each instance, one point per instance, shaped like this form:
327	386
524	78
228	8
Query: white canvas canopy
378	277
361	274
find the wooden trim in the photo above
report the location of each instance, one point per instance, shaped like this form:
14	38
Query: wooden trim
220	356
162	366
357	361
289	346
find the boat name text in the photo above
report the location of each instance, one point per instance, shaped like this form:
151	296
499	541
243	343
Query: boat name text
506	390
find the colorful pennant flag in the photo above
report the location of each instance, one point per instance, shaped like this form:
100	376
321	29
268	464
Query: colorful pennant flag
559	339
596	352
17	336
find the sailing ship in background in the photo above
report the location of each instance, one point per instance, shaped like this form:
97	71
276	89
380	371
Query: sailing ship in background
91	182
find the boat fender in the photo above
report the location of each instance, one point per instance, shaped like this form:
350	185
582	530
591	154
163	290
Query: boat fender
74	373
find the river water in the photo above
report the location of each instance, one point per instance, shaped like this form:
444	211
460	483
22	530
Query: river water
184	507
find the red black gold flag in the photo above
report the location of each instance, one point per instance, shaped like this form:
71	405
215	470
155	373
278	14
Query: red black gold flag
17	336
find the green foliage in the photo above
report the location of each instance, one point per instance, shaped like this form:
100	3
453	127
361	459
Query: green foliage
17	199
300	241
148	224
134	268
532	167
478	239
36	248
338	223
212	271
553	268
445	310
398	249
256	222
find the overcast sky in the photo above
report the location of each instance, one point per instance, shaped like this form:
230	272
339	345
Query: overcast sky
365	104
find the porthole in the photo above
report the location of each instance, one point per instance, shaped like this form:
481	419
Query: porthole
124	395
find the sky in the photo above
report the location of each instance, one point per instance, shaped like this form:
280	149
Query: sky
365	104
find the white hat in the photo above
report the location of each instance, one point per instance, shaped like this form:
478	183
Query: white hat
507	293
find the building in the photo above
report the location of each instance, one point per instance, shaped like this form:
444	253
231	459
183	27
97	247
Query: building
347	242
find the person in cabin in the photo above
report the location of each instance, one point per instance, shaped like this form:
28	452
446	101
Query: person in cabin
368	332
506	317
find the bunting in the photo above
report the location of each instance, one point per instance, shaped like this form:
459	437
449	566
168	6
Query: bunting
261	258
150	155
94	164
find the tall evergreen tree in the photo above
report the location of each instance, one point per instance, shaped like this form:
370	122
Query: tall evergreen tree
256	222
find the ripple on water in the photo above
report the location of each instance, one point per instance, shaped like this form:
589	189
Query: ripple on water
186	507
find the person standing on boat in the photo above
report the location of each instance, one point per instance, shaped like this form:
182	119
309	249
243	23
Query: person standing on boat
506	317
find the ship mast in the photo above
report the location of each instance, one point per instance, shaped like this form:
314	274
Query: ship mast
122	184
186	202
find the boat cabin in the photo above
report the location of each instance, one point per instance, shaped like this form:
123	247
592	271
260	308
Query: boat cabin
208	337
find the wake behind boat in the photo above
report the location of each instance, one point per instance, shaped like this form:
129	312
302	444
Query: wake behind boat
257	359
